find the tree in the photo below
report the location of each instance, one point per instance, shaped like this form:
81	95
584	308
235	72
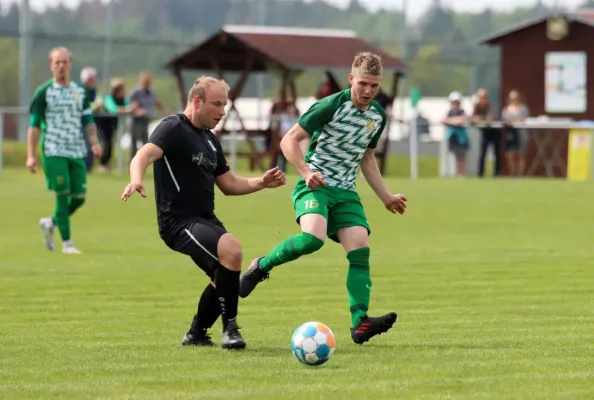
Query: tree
355	7
441	33
9	72
434	75
438	24
9	23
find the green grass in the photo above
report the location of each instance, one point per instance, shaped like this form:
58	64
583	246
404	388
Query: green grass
492	281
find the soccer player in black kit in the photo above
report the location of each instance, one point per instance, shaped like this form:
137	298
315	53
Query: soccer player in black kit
188	162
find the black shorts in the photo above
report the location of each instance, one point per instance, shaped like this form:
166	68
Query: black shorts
197	238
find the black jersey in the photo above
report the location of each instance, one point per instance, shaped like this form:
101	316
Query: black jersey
185	175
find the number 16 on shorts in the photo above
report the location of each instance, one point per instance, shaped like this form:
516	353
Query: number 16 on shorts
309	204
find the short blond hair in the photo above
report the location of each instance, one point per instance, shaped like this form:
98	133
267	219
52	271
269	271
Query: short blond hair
367	63
116	83
202	84
57	50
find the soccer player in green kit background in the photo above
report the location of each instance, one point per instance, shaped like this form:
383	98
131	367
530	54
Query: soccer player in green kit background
344	130
60	113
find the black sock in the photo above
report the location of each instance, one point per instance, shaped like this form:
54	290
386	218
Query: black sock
208	311
227	282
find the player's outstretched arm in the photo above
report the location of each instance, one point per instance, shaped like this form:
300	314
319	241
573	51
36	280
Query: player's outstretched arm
371	172
292	151
233	185
148	154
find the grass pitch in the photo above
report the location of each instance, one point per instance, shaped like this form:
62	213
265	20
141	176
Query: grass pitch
492	281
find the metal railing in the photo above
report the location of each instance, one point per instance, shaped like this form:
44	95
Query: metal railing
547	151
400	137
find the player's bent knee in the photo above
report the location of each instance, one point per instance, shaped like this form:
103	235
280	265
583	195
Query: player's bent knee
308	244
353	237
230	253
359	243
314	224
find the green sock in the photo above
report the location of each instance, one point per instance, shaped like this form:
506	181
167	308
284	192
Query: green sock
291	249
358	283
75	203
61	218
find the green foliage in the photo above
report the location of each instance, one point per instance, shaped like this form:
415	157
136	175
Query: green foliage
9	72
442	45
434	78
378	28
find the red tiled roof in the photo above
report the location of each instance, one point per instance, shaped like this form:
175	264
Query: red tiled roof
287	48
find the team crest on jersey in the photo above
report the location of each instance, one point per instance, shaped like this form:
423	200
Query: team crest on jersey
370	125
203	161
198	158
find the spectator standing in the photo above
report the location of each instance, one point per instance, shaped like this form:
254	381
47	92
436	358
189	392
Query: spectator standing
145	101
456	134
385	102
515	112
113	103
482	114
88	77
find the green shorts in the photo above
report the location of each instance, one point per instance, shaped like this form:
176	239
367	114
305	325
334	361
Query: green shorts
65	175
342	208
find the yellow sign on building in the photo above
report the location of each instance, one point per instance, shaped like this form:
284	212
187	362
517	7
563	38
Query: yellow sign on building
579	155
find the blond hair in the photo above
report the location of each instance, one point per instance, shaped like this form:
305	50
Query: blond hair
367	63
116	83
57	50
202	84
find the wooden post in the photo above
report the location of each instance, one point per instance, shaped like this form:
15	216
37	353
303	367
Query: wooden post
234	93
216	67
275	134
385	151
180	86
333	81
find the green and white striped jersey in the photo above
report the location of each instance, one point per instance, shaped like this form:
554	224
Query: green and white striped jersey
61	113
340	134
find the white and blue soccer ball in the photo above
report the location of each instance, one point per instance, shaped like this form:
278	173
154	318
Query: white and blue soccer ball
313	343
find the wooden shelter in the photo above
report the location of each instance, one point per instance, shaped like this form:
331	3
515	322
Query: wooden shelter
526	51
286	51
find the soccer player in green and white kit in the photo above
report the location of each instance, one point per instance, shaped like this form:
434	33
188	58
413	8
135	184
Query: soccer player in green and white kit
59	112
344	130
